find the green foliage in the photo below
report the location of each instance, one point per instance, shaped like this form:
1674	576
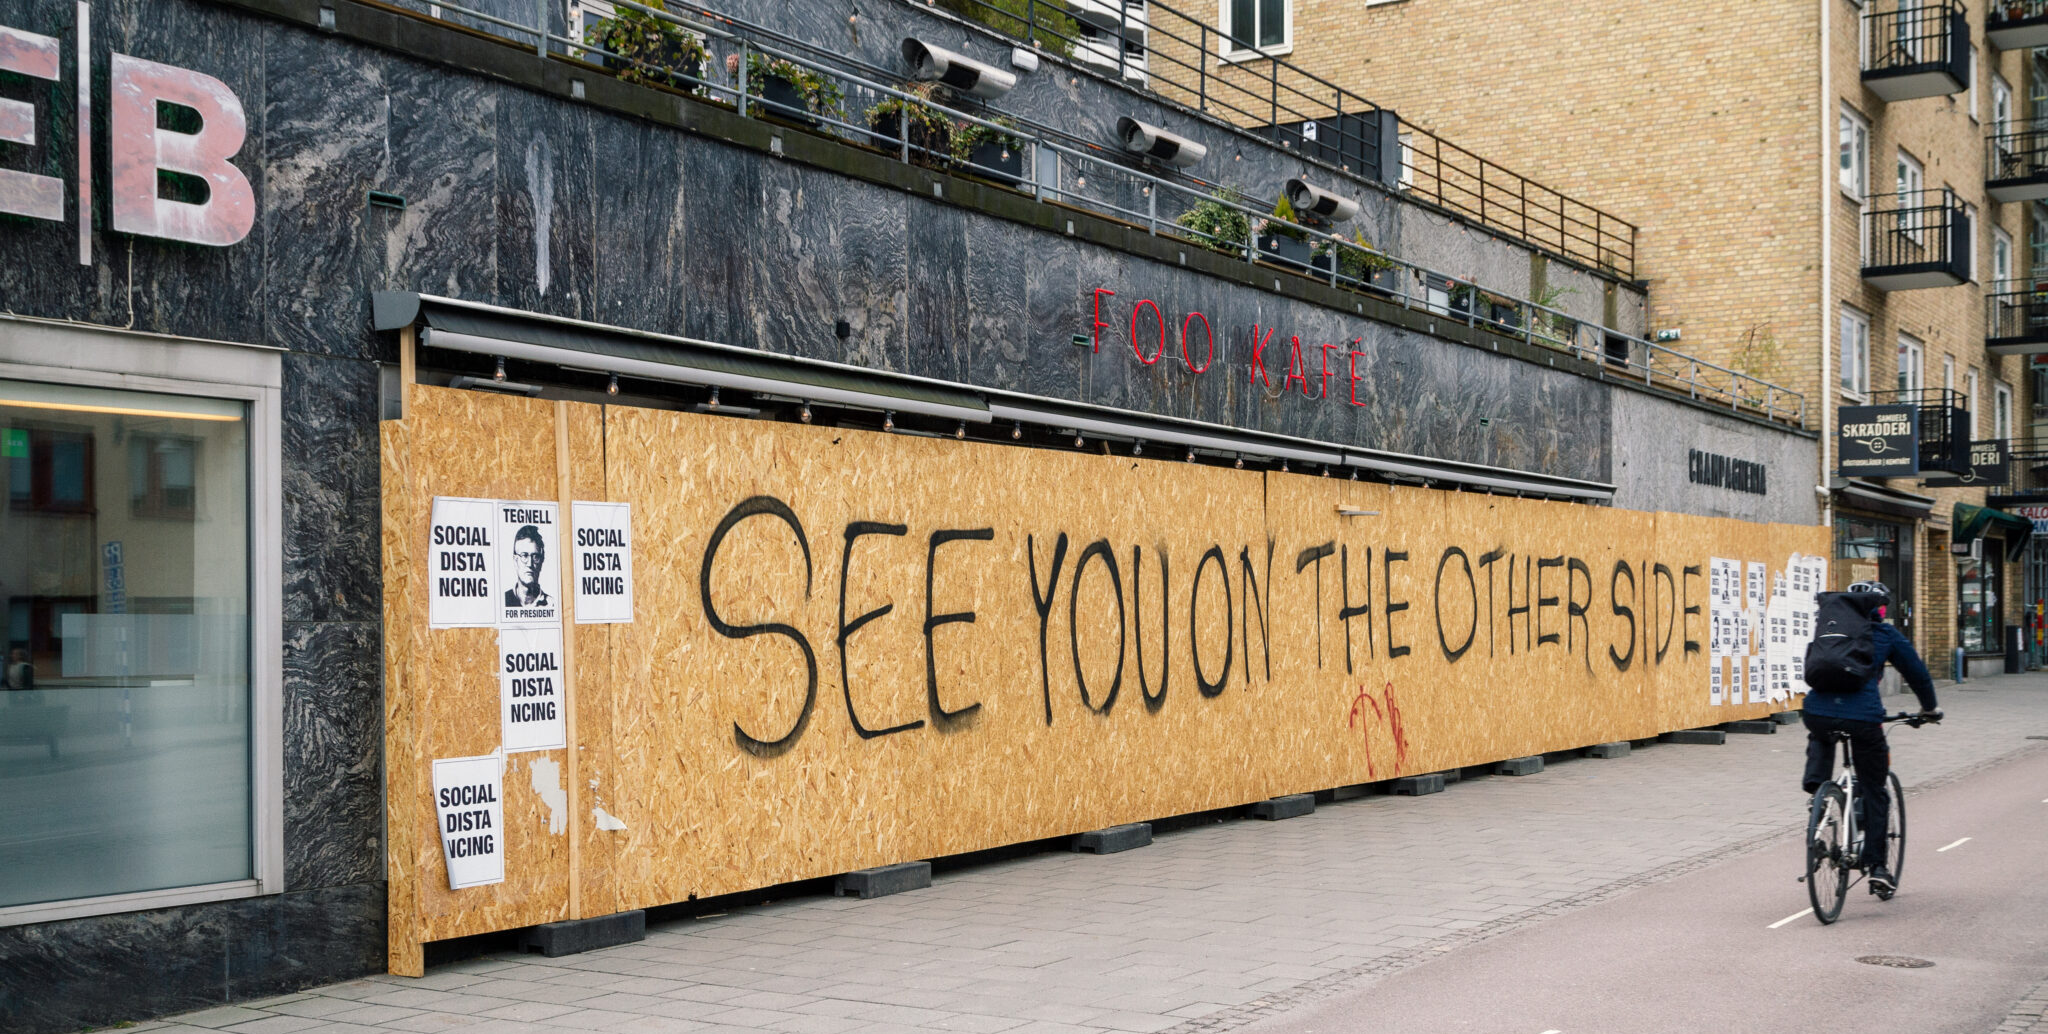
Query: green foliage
1356	260
821	95
643	38
973	135
1284	209
927	129
1055	30
1218	225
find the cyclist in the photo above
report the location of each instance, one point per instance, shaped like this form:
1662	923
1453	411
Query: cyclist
1860	715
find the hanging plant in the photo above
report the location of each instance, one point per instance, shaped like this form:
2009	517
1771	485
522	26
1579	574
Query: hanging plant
650	50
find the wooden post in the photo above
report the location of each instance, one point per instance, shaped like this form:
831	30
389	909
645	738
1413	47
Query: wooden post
564	491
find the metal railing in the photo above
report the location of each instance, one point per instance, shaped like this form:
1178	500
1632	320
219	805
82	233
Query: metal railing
739	64
1944	425
1187	60
1900	34
2016	150
1912	229
2016	309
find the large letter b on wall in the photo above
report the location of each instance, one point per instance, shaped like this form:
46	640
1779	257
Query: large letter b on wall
140	150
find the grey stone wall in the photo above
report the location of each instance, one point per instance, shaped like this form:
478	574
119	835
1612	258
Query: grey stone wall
1652	440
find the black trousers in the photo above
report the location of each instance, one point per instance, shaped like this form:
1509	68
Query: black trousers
1872	757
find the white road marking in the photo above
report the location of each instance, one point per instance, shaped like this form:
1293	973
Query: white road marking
1553	1032
1787	919
1958	843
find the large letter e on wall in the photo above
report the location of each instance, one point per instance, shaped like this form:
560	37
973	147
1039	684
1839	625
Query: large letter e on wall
141	149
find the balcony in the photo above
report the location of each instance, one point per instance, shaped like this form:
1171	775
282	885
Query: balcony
1915	49
1915	240
2016	161
2017	24
2016	318
1943	425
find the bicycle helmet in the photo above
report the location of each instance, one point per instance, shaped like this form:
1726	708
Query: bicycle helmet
1876	587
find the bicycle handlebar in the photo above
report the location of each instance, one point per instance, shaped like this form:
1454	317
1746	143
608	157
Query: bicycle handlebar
1915	720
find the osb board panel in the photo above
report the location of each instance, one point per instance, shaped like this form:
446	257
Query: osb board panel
468	444
404	641
775	711
592	686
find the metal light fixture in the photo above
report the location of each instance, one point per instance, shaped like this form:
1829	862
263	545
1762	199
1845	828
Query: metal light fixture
1138	448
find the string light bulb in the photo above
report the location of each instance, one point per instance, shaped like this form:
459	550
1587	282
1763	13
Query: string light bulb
1191	455
1017	431
612	388
889	420
1326	470
804	414
960	432
1137	448
500	375
1283	466
1240	463
714	397
1077	441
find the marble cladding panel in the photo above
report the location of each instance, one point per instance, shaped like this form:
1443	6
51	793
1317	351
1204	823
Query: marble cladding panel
326	144
939	332
331	490
643	273
546	224
443	163
334	745
59	976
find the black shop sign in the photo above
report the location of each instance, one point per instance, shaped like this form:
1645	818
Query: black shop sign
1990	466
1878	441
1707	468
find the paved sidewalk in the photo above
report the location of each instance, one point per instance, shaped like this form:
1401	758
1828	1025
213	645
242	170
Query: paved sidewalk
1210	928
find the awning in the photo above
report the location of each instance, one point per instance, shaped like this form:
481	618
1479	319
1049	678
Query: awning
1974	522
1872	498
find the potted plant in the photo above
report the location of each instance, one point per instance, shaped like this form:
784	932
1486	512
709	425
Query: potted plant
649	50
1462	297
790	90
1359	263
991	153
1281	242
1216	225
930	134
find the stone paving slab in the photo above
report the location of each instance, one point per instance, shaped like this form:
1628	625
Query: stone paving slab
1212	927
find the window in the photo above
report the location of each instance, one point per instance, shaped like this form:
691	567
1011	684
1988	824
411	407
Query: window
2001	104
49	469
1907	182
1256	28
2001	256
1853	161
141	739
1855	345
1970	399
1978	599
2001	411
1948	374
162	475
2037	241
1970	224
1970	82
1911	359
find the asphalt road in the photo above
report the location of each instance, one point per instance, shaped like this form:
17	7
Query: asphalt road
1700	952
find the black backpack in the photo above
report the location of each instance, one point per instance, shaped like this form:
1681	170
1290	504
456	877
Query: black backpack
1842	658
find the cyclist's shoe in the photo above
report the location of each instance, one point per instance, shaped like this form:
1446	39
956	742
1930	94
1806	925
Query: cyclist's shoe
1882	884
1809	787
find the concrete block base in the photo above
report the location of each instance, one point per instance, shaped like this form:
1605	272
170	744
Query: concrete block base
569	937
1760	727
1617	749
884	880
1707	737
1519	766
1416	786
1344	793
1291	806
1785	717
1116	838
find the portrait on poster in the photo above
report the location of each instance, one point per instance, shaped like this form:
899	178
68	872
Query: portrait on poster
529	565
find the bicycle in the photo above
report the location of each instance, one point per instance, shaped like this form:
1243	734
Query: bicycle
1834	841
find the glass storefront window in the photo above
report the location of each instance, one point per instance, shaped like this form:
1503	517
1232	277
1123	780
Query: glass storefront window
1978	599
125	722
1867	549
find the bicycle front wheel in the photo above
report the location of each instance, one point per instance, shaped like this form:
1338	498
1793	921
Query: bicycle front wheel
1827	852
1895	828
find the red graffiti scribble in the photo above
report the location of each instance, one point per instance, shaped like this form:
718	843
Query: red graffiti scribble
1391	717
1364	730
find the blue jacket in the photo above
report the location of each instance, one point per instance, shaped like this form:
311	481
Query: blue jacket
1865	705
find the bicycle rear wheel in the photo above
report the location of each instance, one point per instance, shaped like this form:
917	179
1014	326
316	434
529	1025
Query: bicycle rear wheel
1895	830
1827	857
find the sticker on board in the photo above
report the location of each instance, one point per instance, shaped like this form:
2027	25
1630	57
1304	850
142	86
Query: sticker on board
467	801
604	562
531	704
462	561
529	566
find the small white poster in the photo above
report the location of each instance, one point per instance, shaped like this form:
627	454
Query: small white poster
1759	692
466	799
604	562
530	692
1759	576
1714	681
461	564
529	565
